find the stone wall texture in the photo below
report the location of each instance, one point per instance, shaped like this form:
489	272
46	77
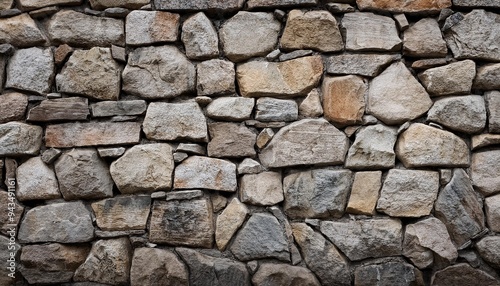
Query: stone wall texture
250	142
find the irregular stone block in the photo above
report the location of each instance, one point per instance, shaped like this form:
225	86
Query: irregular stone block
416	6
150	27
311	105
130	4
122	213
484	172
12	106
249	166
20	31
283	274
364	192
273	109
36	181
483	140
184	195
263	189
215	77
193	5
205	173
199	37
492	211
230	108
455	78
229	221
231	140
487	247
279	3
360	64
493	106
18	138
487	77
465	114
424	39
476	3
462	274
114	108
152	266
60	109
344	99
387	272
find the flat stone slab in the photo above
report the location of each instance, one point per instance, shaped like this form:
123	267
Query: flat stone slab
198	172
60	109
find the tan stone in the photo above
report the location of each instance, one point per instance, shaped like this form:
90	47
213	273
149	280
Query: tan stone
404	7
311	105
364	192
149	27
20	31
344	99
122	213
283	274
454	78
229	221
484	172
424	39
12	106
264	137
483	140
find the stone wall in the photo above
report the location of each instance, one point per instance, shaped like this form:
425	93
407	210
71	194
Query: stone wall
259	142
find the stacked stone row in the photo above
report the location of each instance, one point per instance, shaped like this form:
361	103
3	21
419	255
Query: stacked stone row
259	142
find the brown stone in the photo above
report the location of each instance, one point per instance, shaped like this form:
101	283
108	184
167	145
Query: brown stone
229	221
149	27
424	39
61	109
403	7
231	140
364	193
483	140
20	31
122	213
263	189
12	106
344	99
61	53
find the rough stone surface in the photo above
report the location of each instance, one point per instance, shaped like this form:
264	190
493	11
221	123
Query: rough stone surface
249	166
264	137
424	39
231	140
487	77
493	108
144	168
317	30
6	221
462	274
21	31
184	195
149	27
205	173
231	108
264	189
215	77
465	114
279	3
484	172
18	138
158	72
316	142
487	248
273	109
130	4
82	174
311	105
210	5
360	64
283	274
365	238
387	272
60	222
483	140
5	255
424	146
400	7
492	211
114	108
200	37
229	221
152	266
12	106
344	99
364	192
291	78
455	78
122	213
395	96
6	4
60	109
36	181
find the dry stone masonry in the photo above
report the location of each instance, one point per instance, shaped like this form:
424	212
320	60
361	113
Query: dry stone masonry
250	142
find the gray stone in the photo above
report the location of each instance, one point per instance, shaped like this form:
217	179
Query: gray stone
215	77
20	31
36	181
487	247
116	12
131	4
144	168
484	172
459	207
182	222
462	274
209	270
191	148
180	156
12	105
184	195
492	211
294	55
362	239
113	108
315	141
388	272
465	114
263	189
198	172
408	193
249	166
31	69
395	96
61	222
82	174
229	221
483	140
119	53
401	21
152	266
261	237
424	39
476	3
80	30
370	32
284	275
311	105
158	72
424	146
340	8
191	5
455	78
151	27
175	121
231	108
321	256
360	64
415	6
218	202
493	108
487	77
60	109
248	34
373	148
200	37
18	138
231	140
273	109
4	256
274	55
108	262
122	213
280	3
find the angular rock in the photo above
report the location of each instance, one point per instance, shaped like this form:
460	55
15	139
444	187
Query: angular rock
82	174
429	63
18	138
292	78
231	108
249	166
12	106
182	222
60	222
462	274
319	193
365	238
199	37
483	44
315	141
60	109
294	55
476	3
321	256
360	64
408	193
231	140
416	6
264	137
317	30
20	31
487	77
487	247
273	109
130	4
483	140
280	3
388	272
263	189
152	266
484	172
122	213
344	99
465	114
229	221
175	121
248	34
311	105
114	108
261	237
395	96
424	39
460	208
424	146
158	72
108	262
31	69
211	5
492	211
184	195
370	32
150	27
198	172
144	168
191	148
36	181
493	106
364	193
209	270
215	77
92	134
373	148
283	274
455	78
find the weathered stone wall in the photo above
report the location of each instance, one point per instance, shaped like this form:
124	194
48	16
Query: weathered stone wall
259	142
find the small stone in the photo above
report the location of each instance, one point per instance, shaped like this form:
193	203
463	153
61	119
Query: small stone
161	195
317	30
264	137
229	221
417	6
424	39
493	108
294	55
401	21
12	106
54	95
487	77
462	274
215	77
484	172
6	49
273	109
60	222
452	20
122	213
119	53
454	78
360	64
60	109
344	99
311	105
20	31
241	40
191	148
18	138
339	8
387	272
61	53
249	166
263	189
279	15
231	108
258	124
116	12
6	221
279	3
231	140
112	108
429	63
283	274
144	168
180	156
174	121
203	100
492	211
184	195
219	202
182	222
487	249
152	266
150	27
292	78
200	37
370	32
274	55
465	114
211	5
205	173
364	193
130	4
36	181
115	254
92	12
